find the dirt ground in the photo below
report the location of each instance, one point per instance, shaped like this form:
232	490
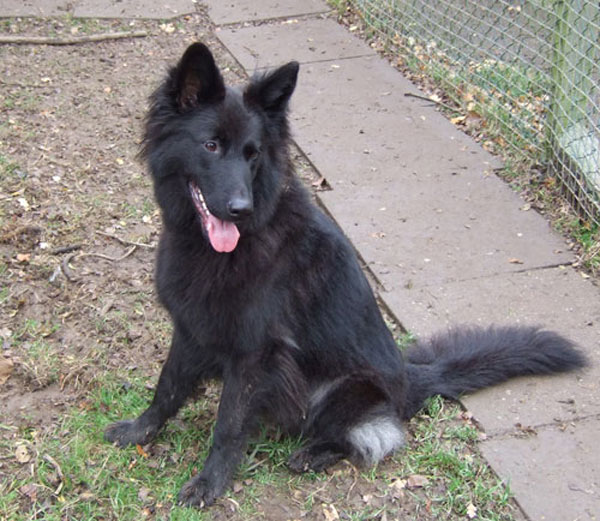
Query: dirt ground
78	222
78	228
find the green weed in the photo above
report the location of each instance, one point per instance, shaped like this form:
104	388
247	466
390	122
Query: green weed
7	167
457	477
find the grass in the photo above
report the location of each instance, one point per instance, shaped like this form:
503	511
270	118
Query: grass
40	363
457	477
7	167
74	474
79	476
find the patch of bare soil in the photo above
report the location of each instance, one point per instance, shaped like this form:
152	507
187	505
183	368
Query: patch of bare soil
78	224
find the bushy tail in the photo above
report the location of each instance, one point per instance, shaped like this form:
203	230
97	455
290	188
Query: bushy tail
469	358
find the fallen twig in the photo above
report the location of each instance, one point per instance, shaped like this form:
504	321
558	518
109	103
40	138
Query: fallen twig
425	98
355	472
107	257
55	464
67	270
124	241
64	265
66	249
59	472
25	85
70	40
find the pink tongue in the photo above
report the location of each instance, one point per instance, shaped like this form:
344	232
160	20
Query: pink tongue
223	235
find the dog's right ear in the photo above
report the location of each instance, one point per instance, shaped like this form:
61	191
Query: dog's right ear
197	78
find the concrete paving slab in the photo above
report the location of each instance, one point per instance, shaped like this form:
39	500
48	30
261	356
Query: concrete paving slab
132	8
555	474
416	196
313	40
9	8
231	12
558	299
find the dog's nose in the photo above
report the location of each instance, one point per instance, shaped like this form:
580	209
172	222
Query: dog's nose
240	207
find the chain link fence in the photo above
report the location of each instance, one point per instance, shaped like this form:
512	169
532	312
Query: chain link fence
526	75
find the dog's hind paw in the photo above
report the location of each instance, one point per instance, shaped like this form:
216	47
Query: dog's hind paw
198	492
315	457
129	432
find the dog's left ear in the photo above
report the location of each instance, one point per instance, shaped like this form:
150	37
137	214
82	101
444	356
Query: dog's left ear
272	91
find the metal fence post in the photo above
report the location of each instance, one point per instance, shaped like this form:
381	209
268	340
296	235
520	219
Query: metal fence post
572	140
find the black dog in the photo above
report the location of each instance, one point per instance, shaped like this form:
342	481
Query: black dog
266	293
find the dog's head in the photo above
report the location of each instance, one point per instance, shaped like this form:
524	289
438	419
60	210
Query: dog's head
218	154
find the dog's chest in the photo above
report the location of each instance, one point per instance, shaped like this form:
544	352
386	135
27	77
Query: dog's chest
218	298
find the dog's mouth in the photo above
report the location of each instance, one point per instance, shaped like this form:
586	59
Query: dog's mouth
223	235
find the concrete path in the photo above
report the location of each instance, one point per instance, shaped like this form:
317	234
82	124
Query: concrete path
445	239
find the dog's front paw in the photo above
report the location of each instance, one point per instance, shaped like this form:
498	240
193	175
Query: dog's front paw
129	432
199	492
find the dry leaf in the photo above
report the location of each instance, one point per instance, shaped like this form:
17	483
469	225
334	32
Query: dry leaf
141	451
397	488
143	494
330	513
471	511
22	454
23	257
23	203
167	28
514	260
416	481
466	415
320	183
457	119
6	369
29	490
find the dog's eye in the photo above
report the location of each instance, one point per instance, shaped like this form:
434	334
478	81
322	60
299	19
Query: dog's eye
251	153
211	146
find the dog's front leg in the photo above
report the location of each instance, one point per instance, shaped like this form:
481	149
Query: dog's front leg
236	418
185	366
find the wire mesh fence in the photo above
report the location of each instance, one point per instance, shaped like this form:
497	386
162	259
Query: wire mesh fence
527	70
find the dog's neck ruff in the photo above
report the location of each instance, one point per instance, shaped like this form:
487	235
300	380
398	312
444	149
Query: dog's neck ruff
223	235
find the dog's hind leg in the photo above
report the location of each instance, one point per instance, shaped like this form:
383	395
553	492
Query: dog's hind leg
185	366
352	417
